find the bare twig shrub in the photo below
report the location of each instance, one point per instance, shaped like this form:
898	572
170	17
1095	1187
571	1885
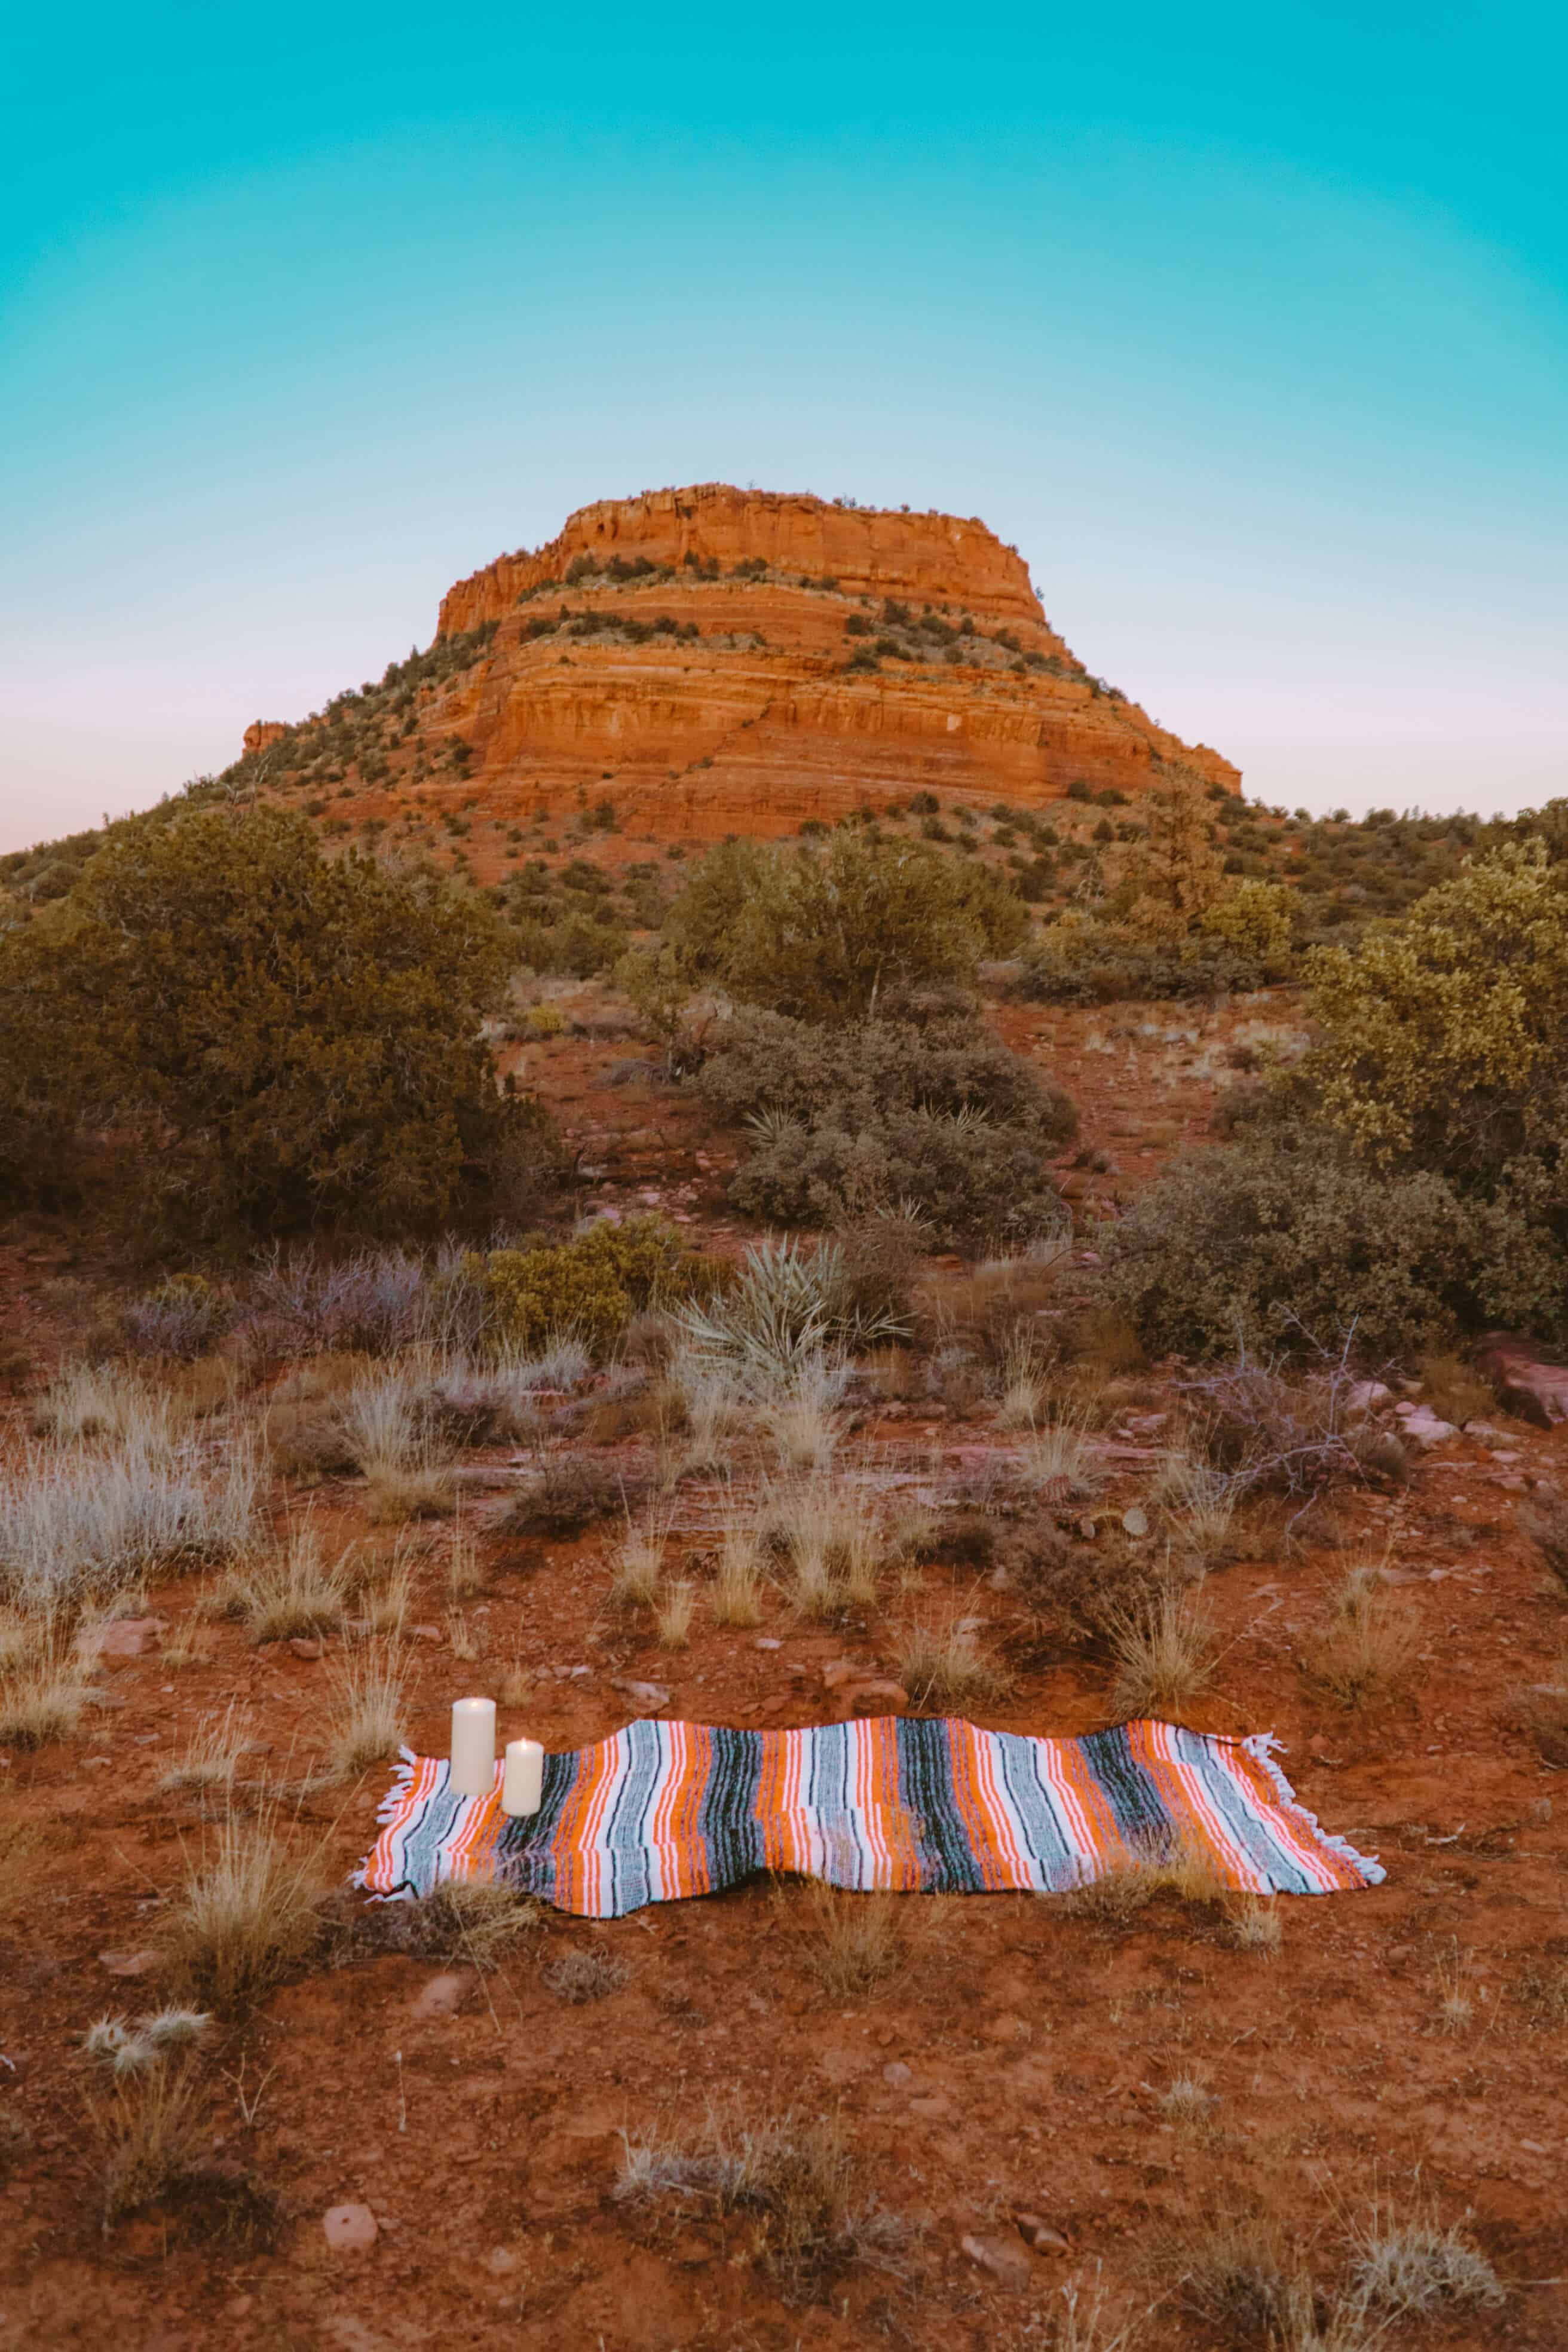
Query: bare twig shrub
250	1912
941	1661
585	1972
1367	1646
1164	1653
1295	1436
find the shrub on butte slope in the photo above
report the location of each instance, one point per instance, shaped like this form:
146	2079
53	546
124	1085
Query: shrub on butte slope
288	1040
924	1110
826	934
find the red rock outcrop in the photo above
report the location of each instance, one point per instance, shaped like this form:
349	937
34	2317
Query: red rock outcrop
261	732
716	660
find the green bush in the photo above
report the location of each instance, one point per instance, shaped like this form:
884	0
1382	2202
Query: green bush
1282	1239
1077	961
591	1287
826	934
279	1039
930	1114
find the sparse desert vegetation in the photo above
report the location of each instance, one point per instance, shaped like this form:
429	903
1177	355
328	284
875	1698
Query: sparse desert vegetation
957	1314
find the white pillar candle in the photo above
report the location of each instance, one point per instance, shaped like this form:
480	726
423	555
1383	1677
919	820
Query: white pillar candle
473	1772
522	1783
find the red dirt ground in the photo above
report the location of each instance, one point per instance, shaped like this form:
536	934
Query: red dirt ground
1018	2062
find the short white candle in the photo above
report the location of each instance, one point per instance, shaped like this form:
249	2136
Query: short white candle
522	1783
473	1772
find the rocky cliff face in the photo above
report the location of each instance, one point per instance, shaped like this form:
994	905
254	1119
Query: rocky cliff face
714	660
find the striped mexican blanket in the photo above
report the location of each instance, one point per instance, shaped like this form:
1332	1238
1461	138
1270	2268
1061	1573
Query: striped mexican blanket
664	1809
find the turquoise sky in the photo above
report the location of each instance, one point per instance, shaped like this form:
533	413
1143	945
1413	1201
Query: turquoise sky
1248	326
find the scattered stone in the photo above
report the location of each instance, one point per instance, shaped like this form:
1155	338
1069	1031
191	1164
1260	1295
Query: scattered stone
1037	2231
1135	1521
128	1964
442	1996
1541	1811
896	2073
120	1637
1366	1396
1008	2265
1483	1433
874	1698
646	1699
426	1633
349	2227
841	1670
767	1641
306	1647
1087	1529
1422	1426
1526	1384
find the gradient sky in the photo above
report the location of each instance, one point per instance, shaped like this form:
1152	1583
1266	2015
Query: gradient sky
1248	326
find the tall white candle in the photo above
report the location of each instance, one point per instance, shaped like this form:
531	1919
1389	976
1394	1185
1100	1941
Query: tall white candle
473	1772
522	1781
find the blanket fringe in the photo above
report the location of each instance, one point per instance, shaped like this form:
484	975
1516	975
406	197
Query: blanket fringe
402	1780
1263	1746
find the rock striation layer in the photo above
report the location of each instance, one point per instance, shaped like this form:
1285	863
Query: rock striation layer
715	660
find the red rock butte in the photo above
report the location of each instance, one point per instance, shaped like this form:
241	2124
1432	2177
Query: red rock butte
717	660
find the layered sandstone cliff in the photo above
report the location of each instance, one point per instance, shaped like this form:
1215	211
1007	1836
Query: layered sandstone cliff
715	660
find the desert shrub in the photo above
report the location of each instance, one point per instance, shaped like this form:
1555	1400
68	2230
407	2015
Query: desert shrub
824	934
591	1287
568	1494
1261	1243
1081	960
182	1318
288	1038
1254	921
930	1116
1442	1031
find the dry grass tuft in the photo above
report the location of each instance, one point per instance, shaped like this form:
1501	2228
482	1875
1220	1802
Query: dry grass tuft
251	1912
636	1569
942	1663
673	1616
151	2132
1255	1925
466	1919
41	1699
738	1585
1188	2102
1060	1459
1367	1646
368	1706
212	1755
1136	1878
585	1972
1090	2322
793	2175
1406	2267
1164	1653
1546	1525
832	1541
1455	1391
465	1575
850	1942
293	1592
